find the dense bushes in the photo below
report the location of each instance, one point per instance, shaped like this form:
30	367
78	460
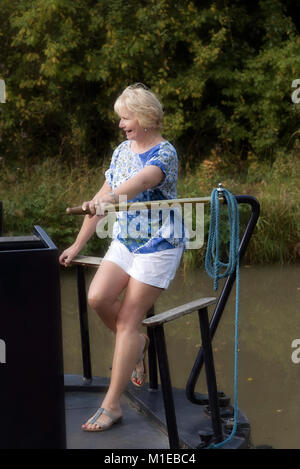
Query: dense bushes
276	186
39	194
222	69
224	72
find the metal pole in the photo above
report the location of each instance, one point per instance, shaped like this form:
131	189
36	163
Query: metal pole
1	218
153	382
166	386
84	326
210	375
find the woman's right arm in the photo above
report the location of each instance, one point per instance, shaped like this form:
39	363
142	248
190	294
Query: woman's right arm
87	229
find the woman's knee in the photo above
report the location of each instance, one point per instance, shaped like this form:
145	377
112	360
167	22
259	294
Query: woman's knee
99	302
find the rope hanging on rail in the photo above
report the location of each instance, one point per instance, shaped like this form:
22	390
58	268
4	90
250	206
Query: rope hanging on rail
213	267
212	252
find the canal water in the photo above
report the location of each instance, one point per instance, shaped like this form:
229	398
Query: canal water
269	322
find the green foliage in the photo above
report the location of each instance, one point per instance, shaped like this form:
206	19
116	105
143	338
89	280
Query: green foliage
222	69
39	194
276	186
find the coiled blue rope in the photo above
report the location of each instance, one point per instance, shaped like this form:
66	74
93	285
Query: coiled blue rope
213	266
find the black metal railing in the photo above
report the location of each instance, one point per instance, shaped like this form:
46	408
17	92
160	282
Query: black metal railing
224	295
157	346
1	218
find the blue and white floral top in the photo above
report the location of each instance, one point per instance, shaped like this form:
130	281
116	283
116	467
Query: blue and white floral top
146	231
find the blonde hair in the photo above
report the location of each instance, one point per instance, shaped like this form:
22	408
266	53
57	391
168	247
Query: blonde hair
146	107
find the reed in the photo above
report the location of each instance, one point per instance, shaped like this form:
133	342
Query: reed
38	194
276	186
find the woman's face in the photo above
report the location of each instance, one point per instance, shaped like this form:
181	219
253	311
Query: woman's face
129	124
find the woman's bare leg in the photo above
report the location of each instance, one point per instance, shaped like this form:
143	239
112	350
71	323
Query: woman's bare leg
138	299
106	286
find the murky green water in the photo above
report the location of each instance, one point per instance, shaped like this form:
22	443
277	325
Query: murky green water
269	381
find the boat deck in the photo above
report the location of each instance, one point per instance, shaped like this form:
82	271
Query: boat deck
143	425
136	431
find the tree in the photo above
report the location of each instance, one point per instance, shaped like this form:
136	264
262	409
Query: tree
222	69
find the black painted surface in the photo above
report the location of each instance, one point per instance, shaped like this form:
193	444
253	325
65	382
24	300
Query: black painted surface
32	387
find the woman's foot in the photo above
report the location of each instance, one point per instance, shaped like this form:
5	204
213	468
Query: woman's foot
139	373
102	420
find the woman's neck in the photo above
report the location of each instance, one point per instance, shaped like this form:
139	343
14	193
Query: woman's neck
146	142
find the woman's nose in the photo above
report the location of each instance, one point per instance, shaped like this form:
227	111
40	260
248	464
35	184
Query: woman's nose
121	124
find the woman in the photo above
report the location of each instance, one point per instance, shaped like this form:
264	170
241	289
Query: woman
143	167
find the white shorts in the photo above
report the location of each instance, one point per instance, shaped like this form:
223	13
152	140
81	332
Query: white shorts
155	268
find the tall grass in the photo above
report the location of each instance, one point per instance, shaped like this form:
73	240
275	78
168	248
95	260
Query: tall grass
38	194
275	185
